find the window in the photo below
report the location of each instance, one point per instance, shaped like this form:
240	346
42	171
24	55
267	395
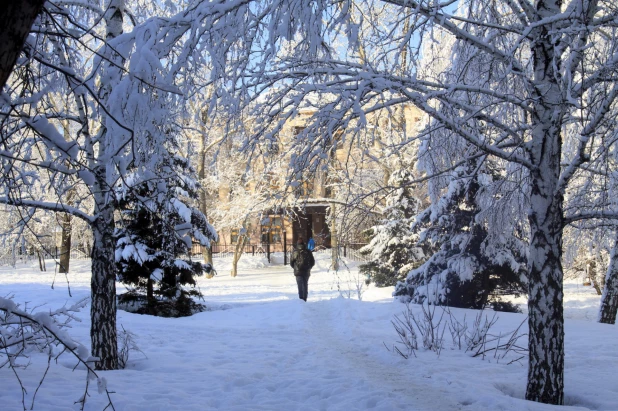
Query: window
271	231
236	232
305	189
265	234
328	191
275	235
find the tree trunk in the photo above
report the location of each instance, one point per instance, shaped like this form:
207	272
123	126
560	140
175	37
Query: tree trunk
206	251
546	218
103	333
334	241
150	300
609	299
65	244
201	172
16	20
103	288
591	269
238	250
545	298
41	260
65	219
208	254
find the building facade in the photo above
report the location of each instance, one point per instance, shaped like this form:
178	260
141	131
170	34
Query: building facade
279	228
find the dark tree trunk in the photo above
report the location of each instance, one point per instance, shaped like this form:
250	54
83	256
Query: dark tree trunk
41	261
65	244
16	20
150	291
609	299
103	284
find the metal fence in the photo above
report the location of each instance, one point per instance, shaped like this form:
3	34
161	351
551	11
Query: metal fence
13	258
349	251
352	252
227	250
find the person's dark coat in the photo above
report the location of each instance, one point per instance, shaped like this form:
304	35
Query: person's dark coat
301	253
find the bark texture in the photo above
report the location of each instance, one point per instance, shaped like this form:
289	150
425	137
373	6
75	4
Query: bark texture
103	288
591	271
609	299
65	244
16	20
545	292
545	299
238	250
41	261
103	333
334	241
206	251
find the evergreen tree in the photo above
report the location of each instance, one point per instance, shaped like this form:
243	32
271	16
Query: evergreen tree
154	242
466	267
392	247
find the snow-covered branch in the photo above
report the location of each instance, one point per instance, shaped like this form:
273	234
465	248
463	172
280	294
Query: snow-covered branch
22	332
58	207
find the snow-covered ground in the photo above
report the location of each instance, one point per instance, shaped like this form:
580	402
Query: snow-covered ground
260	348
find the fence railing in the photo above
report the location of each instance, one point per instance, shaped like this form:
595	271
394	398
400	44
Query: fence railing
13	258
349	251
227	250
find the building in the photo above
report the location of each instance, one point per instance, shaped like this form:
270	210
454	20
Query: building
309	214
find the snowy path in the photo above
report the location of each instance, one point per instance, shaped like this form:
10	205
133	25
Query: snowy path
260	348
385	386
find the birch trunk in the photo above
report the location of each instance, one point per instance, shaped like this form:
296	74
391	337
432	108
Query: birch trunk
103	289
103	283
609	299
546	218
545	296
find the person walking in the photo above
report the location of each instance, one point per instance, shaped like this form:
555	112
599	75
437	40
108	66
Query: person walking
302	262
